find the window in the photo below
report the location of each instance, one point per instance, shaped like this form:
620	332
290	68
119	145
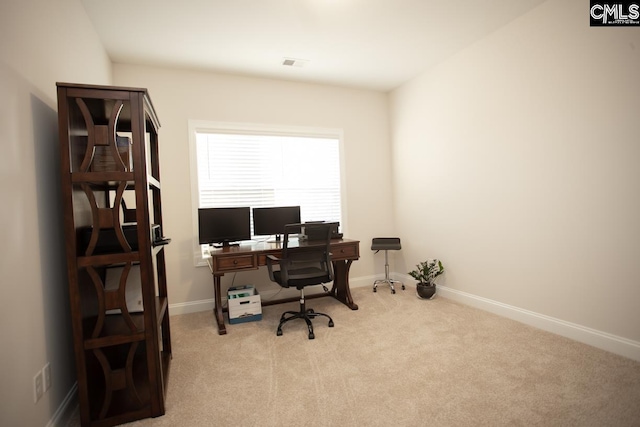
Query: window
240	165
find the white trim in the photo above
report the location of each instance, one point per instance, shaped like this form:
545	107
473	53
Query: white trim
195	190
602	340
208	304
196	126
191	306
66	410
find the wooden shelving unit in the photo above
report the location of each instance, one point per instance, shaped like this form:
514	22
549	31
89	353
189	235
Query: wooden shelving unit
115	251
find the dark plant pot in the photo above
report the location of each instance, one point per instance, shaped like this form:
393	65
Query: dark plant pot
425	290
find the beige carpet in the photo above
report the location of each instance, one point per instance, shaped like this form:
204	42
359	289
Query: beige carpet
397	361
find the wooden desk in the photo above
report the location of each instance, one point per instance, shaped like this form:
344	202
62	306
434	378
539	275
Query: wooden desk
252	256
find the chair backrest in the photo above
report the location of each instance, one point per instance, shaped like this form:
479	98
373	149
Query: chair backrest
308	263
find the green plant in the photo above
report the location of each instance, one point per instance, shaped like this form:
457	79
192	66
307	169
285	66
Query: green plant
427	271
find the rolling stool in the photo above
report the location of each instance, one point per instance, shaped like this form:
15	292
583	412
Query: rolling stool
386	244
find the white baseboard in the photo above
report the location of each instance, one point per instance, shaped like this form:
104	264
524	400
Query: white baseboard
191	307
66	409
605	341
602	340
207	304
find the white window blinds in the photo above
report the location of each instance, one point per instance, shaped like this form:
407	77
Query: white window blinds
270	170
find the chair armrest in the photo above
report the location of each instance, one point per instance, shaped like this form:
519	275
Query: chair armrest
271	260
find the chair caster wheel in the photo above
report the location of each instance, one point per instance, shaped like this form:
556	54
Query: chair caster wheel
279	333
375	290
311	336
393	291
331	323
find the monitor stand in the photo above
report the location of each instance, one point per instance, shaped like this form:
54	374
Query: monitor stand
225	244
278	239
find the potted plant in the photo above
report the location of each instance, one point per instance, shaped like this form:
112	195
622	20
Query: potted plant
425	273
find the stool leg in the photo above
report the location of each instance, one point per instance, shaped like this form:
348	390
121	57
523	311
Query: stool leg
387	279
386	272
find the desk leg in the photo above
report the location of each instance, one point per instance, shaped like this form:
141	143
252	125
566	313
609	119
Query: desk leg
217	309
340	289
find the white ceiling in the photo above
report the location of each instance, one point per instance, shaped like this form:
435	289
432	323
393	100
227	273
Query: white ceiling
375	44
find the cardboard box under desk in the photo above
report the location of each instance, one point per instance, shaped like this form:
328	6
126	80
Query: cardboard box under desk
244	304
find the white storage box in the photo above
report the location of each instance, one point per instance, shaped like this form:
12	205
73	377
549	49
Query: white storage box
244	304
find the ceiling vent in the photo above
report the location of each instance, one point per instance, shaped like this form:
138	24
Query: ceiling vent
294	62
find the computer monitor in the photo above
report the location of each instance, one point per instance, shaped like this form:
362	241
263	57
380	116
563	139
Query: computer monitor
271	221
224	226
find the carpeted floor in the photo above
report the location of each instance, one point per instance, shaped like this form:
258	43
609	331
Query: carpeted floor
399	361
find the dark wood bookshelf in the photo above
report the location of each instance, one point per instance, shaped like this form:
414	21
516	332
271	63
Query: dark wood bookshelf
111	179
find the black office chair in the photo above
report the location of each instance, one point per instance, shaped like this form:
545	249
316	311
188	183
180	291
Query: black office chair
301	266
386	244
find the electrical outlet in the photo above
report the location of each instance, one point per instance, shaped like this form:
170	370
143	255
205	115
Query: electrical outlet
46	374
38	389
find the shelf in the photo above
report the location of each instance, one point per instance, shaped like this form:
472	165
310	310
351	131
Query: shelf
111	340
122	358
115	330
110	179
107	259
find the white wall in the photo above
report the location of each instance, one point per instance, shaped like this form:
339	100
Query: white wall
41	42
517	163
182	95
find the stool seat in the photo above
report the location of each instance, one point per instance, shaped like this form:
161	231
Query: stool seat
386	244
